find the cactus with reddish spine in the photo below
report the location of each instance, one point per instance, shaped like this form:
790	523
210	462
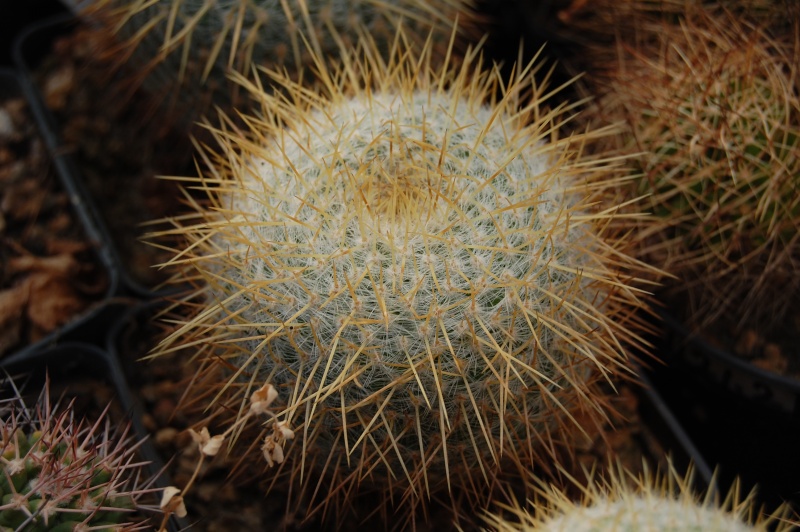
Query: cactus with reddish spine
623	502
59	473
422	267
185	50
713	109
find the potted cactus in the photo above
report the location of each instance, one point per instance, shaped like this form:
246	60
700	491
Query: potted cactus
413	282
408	266
183	52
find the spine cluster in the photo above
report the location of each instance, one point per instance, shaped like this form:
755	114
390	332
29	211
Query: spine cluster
414	260
712	106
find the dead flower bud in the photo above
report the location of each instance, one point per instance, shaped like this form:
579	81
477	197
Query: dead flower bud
281	429
273	452
209	445
262	398
172	503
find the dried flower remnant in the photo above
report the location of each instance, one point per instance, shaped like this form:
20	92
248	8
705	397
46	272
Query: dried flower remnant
172	501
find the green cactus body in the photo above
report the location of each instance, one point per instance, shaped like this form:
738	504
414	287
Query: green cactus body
186	49
713	108
420	271
59	475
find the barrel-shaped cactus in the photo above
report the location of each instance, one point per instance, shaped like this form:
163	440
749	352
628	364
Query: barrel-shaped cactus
59	473
184	50
424	270
623	502
713	110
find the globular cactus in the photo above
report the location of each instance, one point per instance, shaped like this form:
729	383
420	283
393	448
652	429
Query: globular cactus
425	271
713	109
623	502
62	474
184	50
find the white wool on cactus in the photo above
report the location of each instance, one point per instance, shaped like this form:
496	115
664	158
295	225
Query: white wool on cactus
652	513
406	241
621	501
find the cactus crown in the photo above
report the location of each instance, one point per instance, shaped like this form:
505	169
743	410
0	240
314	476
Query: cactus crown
413	258
622	501
63	474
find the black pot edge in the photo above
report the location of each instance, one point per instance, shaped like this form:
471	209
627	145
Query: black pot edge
685	442
11	79
50	27
773	390
103	366
744	424
112	348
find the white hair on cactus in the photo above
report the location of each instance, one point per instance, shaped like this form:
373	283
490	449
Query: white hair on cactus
368	241
646	513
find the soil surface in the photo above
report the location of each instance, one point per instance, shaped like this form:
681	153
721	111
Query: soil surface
777	350
49	271
113	132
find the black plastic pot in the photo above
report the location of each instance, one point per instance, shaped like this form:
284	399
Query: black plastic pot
71	363
665	425
79	327
24	13
774	393
741	417
30	49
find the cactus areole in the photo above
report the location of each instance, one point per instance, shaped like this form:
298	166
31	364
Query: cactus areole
416	265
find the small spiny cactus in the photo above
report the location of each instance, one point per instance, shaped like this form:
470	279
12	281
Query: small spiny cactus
185	50
429	276
61	474
623	502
